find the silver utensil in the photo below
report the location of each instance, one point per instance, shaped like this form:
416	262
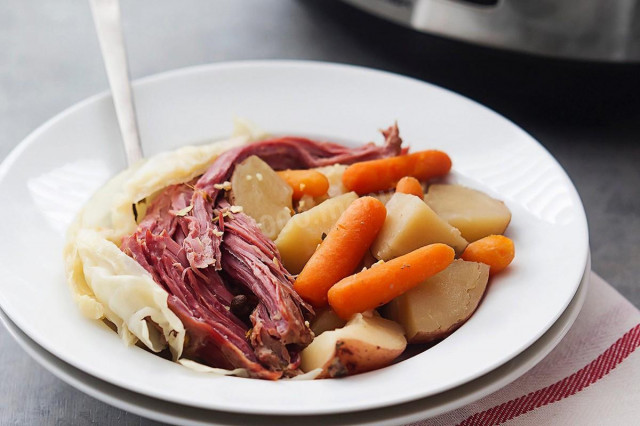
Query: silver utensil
106	16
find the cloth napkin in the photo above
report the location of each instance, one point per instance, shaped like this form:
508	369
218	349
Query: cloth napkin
591	378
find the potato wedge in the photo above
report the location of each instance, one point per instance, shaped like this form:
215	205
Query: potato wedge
473	212
364	344
300	237
441	304
262	194
411	224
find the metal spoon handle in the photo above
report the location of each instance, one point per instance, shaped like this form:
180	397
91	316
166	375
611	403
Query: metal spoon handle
106	15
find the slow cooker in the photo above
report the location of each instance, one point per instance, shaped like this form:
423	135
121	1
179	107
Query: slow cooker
600	30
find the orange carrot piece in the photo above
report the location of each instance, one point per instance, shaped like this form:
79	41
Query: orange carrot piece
497	251
380	284
305	182
342	249
379	175
410	185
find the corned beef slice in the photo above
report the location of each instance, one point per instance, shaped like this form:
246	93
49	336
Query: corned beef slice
204	256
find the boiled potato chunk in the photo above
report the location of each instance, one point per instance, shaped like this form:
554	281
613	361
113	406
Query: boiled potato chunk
365	343
436	307
326	320
474	213
411	224
334	175
300	237
262	194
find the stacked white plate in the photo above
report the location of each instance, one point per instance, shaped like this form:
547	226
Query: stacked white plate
526	311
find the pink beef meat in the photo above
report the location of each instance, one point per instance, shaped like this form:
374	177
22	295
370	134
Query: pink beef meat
224	277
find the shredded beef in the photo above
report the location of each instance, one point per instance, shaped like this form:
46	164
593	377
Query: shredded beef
208	259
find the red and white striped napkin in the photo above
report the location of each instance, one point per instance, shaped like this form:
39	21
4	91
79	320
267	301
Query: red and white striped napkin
591	378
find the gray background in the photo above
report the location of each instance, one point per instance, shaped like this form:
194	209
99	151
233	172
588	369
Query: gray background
586	114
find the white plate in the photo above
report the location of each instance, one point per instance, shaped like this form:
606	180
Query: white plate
46	179
399	414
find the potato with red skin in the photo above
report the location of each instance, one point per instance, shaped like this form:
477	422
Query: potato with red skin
365	343
442	303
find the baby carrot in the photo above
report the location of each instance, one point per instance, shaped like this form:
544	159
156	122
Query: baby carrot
379	175
342	249
410	185
382	283
309	182
497	251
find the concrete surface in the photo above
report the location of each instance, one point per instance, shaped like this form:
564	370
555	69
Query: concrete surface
587	115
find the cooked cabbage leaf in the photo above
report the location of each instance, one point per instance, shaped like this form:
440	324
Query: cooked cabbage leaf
105	282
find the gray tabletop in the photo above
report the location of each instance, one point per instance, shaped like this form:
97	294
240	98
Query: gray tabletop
587	115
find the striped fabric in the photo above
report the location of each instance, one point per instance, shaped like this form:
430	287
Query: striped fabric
592	377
